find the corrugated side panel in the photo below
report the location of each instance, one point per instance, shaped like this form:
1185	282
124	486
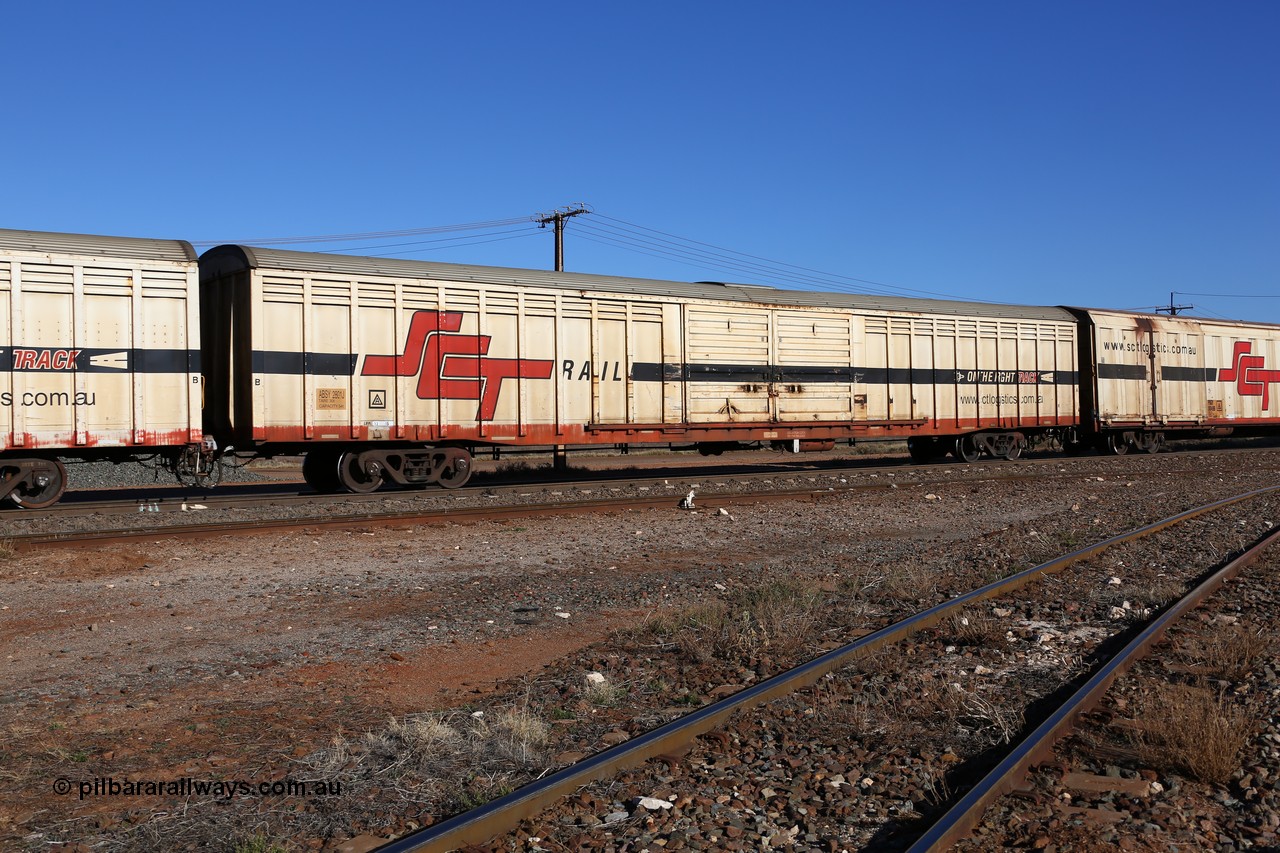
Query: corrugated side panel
98	353
728	361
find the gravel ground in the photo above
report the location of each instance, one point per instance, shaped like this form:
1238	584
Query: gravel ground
274	656
1184	753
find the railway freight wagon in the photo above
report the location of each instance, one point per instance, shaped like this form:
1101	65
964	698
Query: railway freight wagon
1154	377
392	370
99	357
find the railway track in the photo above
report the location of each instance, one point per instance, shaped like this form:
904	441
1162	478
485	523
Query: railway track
187	515
503	815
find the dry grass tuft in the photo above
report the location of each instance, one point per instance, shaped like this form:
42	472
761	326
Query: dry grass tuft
769	620
975	628
892	584
604	694
516	733
1232	652
1193	731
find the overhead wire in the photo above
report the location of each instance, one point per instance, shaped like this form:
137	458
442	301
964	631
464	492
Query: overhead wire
367	235
776	267
474	242
450	240
1231	295
609	231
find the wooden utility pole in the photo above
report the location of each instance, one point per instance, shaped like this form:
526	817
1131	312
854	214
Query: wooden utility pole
558	218
1174	309
559	453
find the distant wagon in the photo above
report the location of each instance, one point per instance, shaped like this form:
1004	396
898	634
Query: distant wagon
99	357
393	370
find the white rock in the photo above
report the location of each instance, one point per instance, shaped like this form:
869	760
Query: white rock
1117	613
931	497
1002	612
653	804
1113	582
721	587
595	678
562	614
1156	788
866	782
982	670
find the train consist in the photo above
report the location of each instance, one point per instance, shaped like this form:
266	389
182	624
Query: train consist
392	371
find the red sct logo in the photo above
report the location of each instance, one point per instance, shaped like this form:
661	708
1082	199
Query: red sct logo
451	366
1247	372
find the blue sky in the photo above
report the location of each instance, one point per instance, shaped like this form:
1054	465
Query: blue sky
1089	153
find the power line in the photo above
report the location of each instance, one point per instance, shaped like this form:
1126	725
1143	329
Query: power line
612	231
366	235
523	232
1231	295
826	277
474	242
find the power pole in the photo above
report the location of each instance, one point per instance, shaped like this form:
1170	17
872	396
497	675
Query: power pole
1174	309
559	452
558	218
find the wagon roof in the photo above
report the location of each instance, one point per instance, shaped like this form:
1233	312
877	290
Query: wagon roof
131	248
224	259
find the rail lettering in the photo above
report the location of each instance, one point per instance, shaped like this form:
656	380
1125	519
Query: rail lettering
1247	372
453	366
610	371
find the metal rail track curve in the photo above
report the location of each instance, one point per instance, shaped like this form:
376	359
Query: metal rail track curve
960	820
503	814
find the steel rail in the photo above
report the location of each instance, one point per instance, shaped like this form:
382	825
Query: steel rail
503	814
168	499
960	820
193	530
82	539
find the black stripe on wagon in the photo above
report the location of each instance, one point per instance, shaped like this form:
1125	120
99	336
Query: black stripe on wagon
100	360
299	363
1189	374
818	374
1122	371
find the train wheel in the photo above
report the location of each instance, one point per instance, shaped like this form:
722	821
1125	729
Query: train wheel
922	448
967	449
1151	442
46	487
320	470
1014	450
1071	444
359	475
454	469
1116	444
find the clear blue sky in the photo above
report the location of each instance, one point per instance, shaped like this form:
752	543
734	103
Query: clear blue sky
1093	153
